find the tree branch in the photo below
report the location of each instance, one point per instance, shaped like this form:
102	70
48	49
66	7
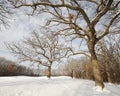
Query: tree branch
108	27
58	6
101	13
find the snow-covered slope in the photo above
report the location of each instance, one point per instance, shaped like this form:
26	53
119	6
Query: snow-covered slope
56	86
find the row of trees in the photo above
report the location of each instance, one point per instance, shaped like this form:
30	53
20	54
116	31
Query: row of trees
90	20
77	68
10	68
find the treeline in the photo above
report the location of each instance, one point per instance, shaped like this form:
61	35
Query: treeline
82	68
10	68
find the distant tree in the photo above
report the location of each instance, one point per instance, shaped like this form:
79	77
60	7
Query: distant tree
77	68
2	65
42	48
10	68
7	67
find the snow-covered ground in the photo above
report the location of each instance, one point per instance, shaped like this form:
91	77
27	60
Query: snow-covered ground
56	86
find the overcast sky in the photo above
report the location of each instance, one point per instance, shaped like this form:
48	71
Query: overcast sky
20	26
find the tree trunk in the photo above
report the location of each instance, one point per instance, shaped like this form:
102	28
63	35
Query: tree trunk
49	71
96	68
97	74
108	72
86	72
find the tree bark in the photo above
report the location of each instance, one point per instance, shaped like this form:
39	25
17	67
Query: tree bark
96	68
86	73
49	71
108	72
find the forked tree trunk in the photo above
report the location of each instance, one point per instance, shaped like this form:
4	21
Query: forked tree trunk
95	65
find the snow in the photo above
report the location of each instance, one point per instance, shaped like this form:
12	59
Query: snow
56	86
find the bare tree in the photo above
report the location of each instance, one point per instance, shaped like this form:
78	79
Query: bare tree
40	48
109	55
77	68
81	19
4	12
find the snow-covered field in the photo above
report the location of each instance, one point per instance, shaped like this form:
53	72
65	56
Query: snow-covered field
56	86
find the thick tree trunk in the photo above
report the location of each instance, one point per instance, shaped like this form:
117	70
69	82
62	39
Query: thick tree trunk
96	68
49	71
97	74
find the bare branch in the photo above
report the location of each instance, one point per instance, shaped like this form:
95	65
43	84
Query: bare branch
57	6
80	52
108	27
92	1
102	12
115	6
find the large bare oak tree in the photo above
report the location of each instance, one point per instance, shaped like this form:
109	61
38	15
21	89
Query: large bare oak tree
87	19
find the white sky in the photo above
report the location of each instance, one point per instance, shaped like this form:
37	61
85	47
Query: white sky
20	26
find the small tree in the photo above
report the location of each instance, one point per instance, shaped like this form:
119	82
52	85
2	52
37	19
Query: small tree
43	48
